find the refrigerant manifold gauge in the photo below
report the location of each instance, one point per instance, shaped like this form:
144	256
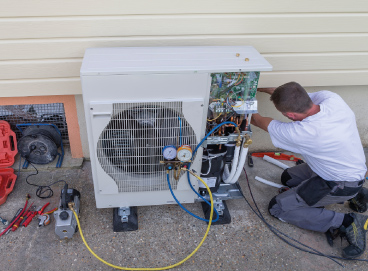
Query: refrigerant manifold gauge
184	153
169	152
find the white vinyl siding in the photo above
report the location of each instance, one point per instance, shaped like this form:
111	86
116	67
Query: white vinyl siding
317	43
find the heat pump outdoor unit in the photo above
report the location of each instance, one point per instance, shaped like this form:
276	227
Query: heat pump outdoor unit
141	100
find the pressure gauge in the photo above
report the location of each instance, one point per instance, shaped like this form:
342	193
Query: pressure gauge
169	152
184	153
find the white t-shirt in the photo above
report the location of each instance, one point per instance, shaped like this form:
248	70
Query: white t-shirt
329	140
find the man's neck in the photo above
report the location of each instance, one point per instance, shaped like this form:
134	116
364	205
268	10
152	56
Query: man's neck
301	116
313	110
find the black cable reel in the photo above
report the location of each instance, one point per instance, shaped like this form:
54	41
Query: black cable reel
39	144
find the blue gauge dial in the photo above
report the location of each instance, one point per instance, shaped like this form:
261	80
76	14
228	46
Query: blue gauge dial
169	152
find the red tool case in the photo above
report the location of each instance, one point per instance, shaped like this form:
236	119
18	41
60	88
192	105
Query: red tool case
8	150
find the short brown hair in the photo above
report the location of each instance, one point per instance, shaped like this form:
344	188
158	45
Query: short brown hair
291	97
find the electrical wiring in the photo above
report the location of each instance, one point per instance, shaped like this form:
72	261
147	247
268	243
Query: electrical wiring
209	166
278	232
41	189
158	268
215	118
235	106
237	83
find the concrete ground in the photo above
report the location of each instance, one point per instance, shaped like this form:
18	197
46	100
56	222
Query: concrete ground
166	234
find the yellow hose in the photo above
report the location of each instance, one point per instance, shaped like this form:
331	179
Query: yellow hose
158	268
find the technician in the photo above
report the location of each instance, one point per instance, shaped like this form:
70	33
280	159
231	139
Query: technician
324	132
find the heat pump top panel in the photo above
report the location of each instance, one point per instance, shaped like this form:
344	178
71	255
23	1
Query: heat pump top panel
198	59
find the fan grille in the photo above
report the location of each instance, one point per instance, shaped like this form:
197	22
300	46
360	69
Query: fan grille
130	147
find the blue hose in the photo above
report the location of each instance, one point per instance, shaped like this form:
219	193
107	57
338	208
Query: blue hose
195	150
214	129
177	201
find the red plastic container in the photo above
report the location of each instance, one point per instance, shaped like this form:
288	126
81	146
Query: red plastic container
8	150
8	145
7	181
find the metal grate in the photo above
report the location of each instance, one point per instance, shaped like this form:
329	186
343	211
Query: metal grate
130	147
36	113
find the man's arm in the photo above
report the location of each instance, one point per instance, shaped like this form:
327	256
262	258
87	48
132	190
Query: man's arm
267	90
261	122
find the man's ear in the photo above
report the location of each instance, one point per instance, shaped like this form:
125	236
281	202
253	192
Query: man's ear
289	115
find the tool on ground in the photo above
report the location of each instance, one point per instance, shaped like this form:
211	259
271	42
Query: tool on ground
27	215
4	221
65	222
44	217
43	220
276	155
15	216
29	218
14	220
20	219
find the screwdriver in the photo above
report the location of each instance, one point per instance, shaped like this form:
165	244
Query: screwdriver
17	213
16	224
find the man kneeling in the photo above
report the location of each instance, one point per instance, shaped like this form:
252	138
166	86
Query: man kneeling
324	132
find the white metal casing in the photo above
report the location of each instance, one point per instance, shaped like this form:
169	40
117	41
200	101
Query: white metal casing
154	74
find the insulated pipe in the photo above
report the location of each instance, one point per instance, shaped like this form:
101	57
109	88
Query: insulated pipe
268	182
243	157
233	166
275	162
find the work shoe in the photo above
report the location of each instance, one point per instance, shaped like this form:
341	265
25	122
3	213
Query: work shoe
355	235
360	201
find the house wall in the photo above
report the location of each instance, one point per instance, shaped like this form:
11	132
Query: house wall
316	43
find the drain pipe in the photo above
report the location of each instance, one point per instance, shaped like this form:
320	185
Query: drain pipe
226	176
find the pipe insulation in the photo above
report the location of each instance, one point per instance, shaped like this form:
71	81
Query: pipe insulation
233	165
268	182
275	162
239	168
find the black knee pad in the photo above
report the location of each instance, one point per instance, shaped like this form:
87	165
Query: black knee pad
271	204
285	176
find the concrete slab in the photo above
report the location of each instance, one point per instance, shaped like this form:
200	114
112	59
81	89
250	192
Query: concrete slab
166	234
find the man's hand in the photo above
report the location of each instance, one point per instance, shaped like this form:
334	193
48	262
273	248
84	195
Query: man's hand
261	122
267	90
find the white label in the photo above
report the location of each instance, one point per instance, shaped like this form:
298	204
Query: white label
211	182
